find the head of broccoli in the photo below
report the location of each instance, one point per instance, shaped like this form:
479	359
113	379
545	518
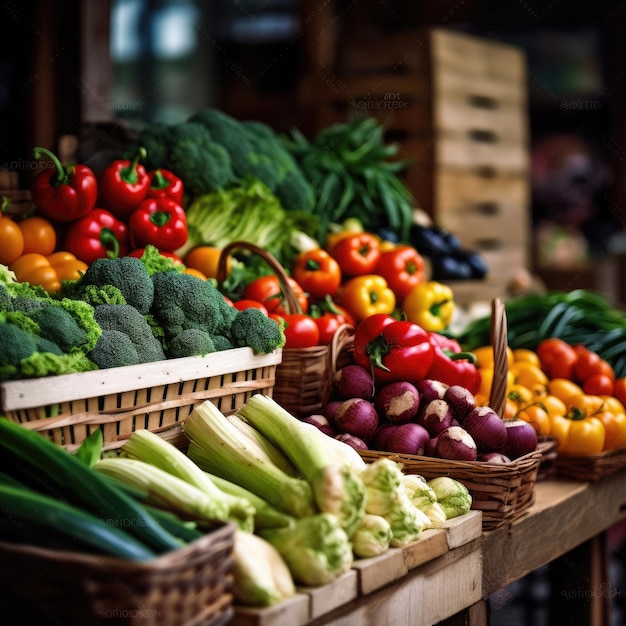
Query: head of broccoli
183	301
254	329
190	342
126	273
139	344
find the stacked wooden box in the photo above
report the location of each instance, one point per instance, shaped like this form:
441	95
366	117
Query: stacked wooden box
456	104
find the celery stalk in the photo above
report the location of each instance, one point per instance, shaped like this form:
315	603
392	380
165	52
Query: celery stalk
144	445
337	487
219	448
167	491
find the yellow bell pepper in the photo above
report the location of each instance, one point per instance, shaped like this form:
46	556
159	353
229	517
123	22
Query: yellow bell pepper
431	305
366	295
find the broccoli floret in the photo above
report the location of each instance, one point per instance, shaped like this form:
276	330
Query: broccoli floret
25	355
126	319
247	151
183	301
222	343
202	163
295	193
107	294
190	342
155	262
154	138
252	328
58	326
115	349
126	273
6	302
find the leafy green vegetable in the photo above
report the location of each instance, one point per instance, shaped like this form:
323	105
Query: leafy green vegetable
453	496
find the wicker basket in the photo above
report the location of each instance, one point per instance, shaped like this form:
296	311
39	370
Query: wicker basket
590	468
157	396
305	375
188	587
503	492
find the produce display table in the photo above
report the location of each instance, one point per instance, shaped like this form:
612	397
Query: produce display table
446	576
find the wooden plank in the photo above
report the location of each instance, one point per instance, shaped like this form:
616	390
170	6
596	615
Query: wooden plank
564	515
463	529
380	571
292	612
20	394
432	544
328	597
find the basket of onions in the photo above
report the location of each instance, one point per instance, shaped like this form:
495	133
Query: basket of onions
436	429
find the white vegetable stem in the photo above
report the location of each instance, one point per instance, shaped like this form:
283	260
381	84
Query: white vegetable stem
337	486
219	448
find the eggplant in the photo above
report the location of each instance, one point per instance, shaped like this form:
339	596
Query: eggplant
429	241
448	267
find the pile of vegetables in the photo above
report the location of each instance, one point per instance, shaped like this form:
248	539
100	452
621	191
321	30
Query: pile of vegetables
122	311
302	510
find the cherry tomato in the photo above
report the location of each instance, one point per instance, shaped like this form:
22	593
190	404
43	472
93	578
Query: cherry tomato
301	331
39	235
267	289
619	389
590	363
328	323
240	305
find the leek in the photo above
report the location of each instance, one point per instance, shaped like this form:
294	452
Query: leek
144	445
163	490
260	575
265	446
219	448
337	486
316	549
265	515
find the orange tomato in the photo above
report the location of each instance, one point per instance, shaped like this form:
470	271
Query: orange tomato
11	240
206	259
39	235
35	269
194	272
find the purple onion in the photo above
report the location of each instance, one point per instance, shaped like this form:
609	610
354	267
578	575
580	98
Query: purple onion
436	416
358	417
408	438
398	402
494	457
352	441
521	439
431	390
320	422
455	443
353	381
461	401
486	428
329	410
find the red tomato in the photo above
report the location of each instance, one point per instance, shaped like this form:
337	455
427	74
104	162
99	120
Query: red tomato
598	385
240	305
619	389
402	267
328	323
557	358
267	289
301	331
590	363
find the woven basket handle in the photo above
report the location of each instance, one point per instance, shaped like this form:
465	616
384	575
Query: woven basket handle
343	338
499	343
291	301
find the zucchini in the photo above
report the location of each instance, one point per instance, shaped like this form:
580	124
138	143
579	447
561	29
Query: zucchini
32	516
50	470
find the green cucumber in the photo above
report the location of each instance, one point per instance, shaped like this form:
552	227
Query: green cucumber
49	469
31	516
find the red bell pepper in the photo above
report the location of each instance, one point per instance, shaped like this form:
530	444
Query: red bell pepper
161	222
123	185
64	193
165	184
97	235
451	365
393	350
